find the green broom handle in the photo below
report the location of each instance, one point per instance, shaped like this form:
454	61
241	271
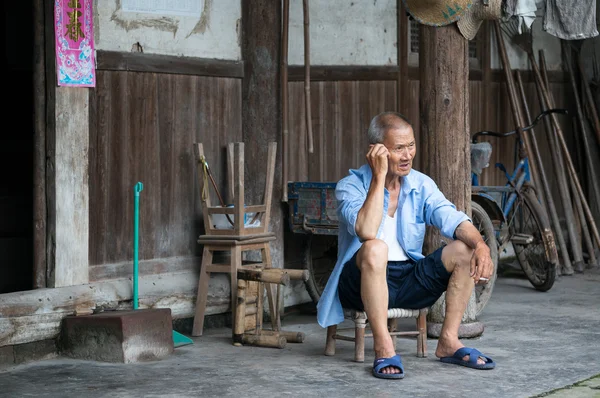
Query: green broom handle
136	224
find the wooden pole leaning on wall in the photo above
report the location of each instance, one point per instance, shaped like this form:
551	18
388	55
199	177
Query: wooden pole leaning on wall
563	189
514	104
545	186
284	99
567	156
307	76
583	126
555	149
557	161
589	100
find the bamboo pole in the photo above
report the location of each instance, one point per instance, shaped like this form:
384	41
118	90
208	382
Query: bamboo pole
284	98
545	186
560	164
565	149
582	122
516	110
307	76
563	189
590	101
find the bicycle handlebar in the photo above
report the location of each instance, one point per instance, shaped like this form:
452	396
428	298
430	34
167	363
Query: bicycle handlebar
532	125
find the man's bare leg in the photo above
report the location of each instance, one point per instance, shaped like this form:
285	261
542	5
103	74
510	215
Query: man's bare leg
456	258
372	261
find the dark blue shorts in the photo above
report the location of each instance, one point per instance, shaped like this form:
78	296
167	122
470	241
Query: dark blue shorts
411	285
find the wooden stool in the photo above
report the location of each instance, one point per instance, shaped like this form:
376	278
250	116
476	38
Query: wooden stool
360	323
237	239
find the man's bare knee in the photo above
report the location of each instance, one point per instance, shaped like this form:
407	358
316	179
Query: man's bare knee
456	254
372	255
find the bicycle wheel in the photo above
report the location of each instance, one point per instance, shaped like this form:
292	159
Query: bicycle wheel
483	223
320	256
537	259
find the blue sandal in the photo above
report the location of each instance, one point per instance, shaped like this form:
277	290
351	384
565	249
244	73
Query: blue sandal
381	363
474	355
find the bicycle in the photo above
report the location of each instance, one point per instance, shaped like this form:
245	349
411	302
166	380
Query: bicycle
517	215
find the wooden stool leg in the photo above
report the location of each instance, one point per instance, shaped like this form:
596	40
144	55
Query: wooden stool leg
235	264
202	294
265	253
422	338
393	327
359	340
330	343
240	314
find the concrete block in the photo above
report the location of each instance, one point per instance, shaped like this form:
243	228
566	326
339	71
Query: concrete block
119	336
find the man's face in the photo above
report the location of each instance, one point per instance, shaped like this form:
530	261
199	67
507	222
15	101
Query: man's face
402	147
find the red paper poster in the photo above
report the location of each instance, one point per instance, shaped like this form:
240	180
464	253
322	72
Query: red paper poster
73	28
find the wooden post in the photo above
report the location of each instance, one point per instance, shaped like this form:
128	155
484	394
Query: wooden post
67	174
402	57
261	107
39	145
445	132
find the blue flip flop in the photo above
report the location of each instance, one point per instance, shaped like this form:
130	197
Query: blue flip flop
381	363
474	355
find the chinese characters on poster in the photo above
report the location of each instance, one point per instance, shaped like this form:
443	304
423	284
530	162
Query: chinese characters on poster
73	28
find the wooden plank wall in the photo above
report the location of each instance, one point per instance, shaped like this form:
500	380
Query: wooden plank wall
142	128
342	110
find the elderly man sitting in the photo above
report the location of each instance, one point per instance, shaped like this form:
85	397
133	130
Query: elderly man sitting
383	208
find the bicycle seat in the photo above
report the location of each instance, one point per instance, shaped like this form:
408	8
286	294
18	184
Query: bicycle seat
481	153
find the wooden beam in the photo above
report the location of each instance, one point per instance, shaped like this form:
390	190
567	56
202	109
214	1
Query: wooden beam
155	63
261	107
103	272
385	72
344	72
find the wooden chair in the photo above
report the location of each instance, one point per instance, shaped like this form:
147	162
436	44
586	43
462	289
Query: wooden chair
360	322
237	239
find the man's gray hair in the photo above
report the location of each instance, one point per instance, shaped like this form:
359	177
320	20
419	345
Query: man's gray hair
383	122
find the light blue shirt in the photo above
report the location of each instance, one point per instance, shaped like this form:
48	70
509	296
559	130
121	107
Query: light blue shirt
420	203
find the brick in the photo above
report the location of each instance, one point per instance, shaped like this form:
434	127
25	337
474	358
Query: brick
119	336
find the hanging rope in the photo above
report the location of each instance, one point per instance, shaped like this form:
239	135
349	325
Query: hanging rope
205	178
206	174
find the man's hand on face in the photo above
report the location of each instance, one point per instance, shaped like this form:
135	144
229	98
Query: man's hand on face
378	159
481	263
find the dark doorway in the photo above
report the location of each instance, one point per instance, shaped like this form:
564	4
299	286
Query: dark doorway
16	148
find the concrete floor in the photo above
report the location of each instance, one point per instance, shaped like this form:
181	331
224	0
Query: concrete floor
540	341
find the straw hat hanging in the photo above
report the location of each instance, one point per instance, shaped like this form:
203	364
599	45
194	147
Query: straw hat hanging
470	22
437	12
